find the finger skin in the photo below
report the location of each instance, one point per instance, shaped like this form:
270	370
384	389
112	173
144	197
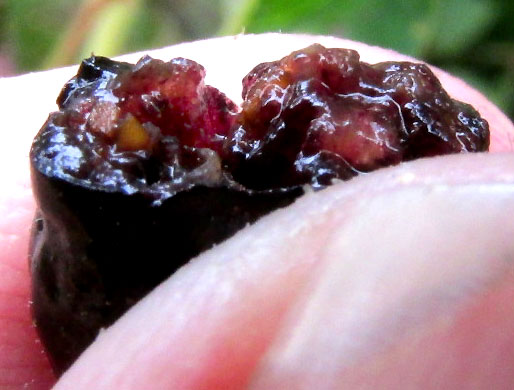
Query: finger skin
208	326
421	302
27	100
22	362
472	350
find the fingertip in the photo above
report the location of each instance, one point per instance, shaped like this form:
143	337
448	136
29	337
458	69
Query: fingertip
413	293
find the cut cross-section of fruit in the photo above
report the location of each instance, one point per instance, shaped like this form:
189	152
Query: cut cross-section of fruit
145	166
321	114
129	186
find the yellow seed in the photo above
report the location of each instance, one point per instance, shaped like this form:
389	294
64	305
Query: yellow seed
132	135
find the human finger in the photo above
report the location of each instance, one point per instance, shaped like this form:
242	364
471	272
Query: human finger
212	324
31	97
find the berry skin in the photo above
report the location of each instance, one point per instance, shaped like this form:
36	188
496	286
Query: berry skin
130	186
144	167
320	114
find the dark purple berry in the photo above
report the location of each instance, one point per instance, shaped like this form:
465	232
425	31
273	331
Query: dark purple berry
321	114
144	166
129	186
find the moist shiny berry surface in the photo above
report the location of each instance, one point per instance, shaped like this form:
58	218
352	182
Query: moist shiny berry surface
321	114
144	167
153	127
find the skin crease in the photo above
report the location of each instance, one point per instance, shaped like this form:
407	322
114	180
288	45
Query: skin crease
399	279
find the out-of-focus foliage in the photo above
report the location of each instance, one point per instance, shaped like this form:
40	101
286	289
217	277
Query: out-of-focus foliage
32	28
473	38
416	27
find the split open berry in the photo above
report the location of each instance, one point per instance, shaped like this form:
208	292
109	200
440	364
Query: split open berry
144	166
321	114
153	127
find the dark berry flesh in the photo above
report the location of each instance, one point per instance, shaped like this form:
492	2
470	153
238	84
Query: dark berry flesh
130	186
321	114
144	166
151	128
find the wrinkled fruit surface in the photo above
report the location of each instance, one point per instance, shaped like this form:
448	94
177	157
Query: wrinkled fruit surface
321	114
144	166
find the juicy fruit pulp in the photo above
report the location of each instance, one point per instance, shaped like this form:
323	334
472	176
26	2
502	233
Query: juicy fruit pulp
152	128
144	166
321	114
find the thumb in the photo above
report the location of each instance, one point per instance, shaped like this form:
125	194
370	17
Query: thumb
416	292
387	279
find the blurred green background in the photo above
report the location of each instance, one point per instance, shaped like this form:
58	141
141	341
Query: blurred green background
471	38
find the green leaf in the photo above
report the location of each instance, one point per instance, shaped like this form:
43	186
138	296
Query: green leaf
415	27
456	25
381	22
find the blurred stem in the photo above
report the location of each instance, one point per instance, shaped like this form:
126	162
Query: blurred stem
67	48
93	18
237	13
112	29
